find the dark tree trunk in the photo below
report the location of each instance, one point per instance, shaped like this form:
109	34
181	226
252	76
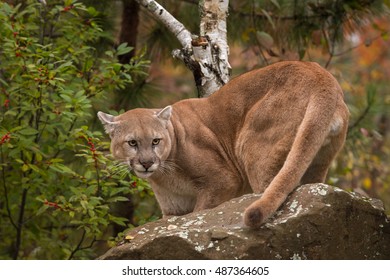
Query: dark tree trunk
129	28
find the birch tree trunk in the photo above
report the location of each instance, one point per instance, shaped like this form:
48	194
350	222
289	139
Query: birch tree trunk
206	54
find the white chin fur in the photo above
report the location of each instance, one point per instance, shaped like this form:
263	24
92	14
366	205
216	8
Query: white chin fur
143	175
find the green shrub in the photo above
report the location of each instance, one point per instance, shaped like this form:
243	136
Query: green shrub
57	180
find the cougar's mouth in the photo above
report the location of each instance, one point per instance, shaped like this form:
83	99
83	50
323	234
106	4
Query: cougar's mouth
142	171
143	174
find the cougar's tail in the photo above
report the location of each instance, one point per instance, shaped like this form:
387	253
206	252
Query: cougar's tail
310	136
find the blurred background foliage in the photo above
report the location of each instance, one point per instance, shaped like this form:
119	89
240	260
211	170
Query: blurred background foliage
62	196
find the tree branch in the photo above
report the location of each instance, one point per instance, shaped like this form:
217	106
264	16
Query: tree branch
20	224
205	55
176	27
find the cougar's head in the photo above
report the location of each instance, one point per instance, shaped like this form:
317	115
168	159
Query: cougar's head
140	137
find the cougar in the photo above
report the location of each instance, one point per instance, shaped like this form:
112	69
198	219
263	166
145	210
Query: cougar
266	131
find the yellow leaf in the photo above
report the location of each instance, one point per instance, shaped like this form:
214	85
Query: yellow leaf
25	167
129	237
367	183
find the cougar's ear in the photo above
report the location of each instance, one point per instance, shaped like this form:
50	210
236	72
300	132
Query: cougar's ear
165	114
108	122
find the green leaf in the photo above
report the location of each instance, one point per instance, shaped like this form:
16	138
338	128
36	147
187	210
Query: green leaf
117	199
92	11
276	3
117	67
4	82
115	191
35	168
267	15
84	204
264	39
28	131
63	169
67	98
25	167
109	53
120	221
42	209
123	49
66	64
91	189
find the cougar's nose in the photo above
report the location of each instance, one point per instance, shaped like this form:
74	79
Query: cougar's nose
146	164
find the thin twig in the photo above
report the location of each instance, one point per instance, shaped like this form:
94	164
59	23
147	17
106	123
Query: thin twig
78	245
359	119
357	46
370	102
99	187
90	245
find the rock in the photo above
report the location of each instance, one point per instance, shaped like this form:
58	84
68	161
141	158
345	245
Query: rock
316	222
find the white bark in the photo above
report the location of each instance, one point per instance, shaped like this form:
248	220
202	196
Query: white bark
213	27
205	55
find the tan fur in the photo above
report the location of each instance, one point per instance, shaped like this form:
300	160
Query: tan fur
266	131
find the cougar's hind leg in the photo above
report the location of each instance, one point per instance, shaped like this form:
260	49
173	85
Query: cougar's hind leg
261	174
307	143
262	169
273	196
318	169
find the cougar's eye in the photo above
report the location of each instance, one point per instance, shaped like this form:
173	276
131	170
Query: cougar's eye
132	143
155	141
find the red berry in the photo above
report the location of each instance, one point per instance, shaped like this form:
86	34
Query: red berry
5	138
